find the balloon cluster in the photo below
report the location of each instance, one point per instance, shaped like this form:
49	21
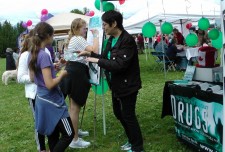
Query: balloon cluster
204	24
26	24
44	15
107	6
90	13
214	34
149	29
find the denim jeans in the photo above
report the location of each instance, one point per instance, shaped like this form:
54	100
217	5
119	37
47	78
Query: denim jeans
124	110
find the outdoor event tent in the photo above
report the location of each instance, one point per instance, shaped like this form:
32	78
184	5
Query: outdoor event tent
177	20
177	12
62	22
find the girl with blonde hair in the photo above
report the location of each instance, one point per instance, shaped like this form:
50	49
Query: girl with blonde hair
76	85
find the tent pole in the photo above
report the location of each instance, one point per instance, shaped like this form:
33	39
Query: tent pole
102	78
164	64
103	102
181	26
222	11
95	114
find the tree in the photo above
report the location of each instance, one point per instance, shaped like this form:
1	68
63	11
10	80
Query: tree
86	10
77	11
8	36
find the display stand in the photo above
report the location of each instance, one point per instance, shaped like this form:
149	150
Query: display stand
198	115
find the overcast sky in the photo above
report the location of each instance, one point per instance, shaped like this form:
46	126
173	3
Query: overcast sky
15	11
23	10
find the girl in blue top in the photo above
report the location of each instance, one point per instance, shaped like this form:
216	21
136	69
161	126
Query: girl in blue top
51	114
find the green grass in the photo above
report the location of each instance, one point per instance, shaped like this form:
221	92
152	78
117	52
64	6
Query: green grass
17	128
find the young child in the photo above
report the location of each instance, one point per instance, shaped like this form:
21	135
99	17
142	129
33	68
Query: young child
51	112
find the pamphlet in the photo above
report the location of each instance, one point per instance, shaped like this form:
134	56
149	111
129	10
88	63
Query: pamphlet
189	73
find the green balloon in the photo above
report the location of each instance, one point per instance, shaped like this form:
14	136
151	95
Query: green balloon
97	4
99	90
149	30
203	23
191	39
218	43
166	28
214	34
108	6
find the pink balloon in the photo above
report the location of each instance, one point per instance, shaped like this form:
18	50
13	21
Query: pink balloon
91	13
29	23
44	12
24	25
121	2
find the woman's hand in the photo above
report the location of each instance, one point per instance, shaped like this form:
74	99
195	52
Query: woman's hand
62	61
84	53
63	73
95	32
93	60
60	64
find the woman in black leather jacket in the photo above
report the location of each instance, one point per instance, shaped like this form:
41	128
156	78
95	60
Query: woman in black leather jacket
120	61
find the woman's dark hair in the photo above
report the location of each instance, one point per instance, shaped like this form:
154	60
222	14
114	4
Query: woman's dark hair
40	33
111	16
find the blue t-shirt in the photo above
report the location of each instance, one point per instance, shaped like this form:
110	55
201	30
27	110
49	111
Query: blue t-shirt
43	61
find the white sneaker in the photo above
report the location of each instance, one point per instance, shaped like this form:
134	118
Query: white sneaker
82	133
126	146
80	143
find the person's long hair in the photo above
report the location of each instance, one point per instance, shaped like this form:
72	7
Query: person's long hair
26	44
41	32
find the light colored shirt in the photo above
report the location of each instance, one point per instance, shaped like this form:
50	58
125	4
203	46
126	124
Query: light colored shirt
77	43
43	61
23	76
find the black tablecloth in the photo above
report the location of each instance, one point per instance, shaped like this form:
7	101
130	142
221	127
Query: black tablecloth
186	91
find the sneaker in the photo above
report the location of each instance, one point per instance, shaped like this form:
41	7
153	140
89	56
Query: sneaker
126	146
82	133
80	143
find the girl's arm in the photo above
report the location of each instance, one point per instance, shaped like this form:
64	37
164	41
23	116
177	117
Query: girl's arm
95	47
49	81
22	69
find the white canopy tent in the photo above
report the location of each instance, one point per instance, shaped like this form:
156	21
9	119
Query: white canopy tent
62	22
177	20
177	12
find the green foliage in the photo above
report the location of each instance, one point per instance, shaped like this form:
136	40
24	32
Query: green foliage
86	10
17	127
77	11
8	36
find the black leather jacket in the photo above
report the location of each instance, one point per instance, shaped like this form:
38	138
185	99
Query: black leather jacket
123	65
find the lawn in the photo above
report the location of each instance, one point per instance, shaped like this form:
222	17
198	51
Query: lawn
17	127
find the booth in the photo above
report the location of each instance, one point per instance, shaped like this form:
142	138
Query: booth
198	114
